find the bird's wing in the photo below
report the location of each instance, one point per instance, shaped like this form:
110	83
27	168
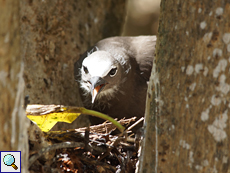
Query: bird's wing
145	52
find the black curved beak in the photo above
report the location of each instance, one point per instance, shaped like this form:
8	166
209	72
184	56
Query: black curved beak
97	85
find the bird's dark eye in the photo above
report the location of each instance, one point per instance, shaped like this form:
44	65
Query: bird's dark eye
113	72
85	70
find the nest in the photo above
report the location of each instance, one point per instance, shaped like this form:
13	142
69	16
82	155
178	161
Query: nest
95	149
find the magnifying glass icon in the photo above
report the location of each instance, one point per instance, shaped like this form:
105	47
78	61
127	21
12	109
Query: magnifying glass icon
9	160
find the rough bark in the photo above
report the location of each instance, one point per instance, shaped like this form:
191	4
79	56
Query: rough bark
13	128
54	34
187	114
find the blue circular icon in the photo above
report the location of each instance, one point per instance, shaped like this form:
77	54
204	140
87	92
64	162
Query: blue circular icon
8	159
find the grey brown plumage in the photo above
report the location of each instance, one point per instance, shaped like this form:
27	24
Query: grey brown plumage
113	76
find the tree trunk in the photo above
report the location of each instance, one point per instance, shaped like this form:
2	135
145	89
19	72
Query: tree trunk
187	114
54	34
14	123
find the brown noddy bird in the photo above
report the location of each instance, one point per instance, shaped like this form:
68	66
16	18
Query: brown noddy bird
113	76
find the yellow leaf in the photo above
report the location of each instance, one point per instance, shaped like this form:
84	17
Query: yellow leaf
47	121
46	116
